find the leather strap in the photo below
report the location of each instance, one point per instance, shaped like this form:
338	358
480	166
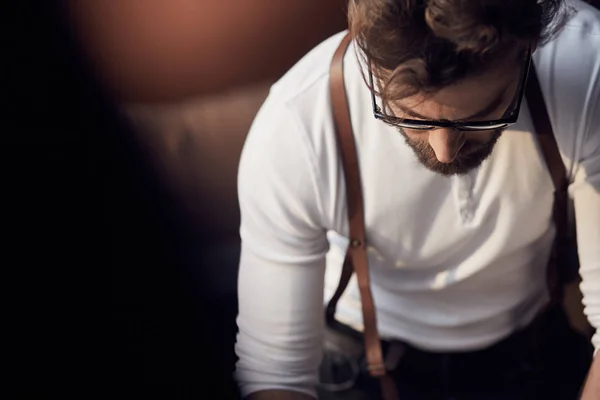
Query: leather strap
545	133
558	173
356	256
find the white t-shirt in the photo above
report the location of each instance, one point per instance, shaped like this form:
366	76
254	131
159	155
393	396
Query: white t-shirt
457	263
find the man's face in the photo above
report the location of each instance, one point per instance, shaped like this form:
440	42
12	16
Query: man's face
481	98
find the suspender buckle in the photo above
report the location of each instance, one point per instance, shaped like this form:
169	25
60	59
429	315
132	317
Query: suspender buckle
376	370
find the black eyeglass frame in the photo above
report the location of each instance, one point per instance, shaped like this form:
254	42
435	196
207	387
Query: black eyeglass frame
511	115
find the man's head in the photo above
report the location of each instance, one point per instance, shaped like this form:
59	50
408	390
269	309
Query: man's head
452	62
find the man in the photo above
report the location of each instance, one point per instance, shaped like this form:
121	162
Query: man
458	221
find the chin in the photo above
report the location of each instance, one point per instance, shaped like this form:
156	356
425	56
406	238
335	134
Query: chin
469	158
453	168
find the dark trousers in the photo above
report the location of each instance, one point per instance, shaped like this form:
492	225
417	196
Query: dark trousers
550	364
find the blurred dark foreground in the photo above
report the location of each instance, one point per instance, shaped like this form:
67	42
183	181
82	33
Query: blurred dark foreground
120	244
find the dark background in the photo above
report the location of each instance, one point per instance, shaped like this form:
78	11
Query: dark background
115	285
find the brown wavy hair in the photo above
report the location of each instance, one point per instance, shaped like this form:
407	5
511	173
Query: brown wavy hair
423	45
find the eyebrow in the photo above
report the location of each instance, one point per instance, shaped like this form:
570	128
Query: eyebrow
492	106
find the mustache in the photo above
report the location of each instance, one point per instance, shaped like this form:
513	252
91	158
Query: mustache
470	156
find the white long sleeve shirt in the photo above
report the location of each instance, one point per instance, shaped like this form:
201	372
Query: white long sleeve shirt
457	263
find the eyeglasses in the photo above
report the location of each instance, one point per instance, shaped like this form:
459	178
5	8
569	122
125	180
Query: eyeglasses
510	116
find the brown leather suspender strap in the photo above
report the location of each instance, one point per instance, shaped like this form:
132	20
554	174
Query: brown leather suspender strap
545	133
345	140
357	254
554	163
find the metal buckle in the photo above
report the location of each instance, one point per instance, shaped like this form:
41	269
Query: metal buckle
376	370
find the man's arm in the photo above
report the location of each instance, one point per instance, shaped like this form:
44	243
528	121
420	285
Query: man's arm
585	190
282	265
591	390
587	203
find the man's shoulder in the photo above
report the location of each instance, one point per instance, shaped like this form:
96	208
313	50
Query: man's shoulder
568	70
579	33
297	108
310	70
585	19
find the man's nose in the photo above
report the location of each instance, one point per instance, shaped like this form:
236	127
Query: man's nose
446	143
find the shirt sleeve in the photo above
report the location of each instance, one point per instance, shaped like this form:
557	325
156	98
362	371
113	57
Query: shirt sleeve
585	191
282	265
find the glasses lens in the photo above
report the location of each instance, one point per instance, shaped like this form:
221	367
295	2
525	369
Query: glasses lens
408	125
471	128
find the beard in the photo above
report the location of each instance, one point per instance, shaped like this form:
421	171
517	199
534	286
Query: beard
469	157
